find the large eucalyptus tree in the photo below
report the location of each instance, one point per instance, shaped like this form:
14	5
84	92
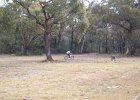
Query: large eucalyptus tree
47	13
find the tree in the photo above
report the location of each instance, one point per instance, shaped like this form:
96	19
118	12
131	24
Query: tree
7	27
27	31
125	15
47	14
84	29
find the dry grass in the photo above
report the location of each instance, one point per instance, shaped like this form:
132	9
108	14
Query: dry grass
87	77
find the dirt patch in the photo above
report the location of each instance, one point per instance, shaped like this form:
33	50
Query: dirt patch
20	72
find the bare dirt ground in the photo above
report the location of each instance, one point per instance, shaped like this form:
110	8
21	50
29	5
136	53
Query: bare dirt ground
87	77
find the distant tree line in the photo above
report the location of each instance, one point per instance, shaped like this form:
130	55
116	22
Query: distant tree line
35	27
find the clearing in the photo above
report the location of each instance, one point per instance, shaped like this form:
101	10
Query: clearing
87	77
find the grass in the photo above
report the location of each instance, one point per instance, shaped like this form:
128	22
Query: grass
87	77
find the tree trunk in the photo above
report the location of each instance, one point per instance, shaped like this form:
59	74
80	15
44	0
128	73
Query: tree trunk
106	43
47	40
59	39
129	49
99	49
82	43
60	34
72	34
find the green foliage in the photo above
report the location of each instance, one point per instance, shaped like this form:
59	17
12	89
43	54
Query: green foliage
7	19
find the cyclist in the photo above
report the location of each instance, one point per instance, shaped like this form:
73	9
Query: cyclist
68	53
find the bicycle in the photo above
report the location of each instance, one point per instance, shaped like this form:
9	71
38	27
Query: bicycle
67	57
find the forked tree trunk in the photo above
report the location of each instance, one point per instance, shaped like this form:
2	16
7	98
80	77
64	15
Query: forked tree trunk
47	43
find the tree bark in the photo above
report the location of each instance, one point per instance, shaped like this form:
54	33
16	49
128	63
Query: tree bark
106	43
82	43
99	49
72	34
59	39
47	40
129	48
60	34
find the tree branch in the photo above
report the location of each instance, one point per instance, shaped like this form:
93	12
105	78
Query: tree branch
46	15
44	12
70	12
120	26
30	14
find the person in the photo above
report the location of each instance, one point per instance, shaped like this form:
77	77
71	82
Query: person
68	53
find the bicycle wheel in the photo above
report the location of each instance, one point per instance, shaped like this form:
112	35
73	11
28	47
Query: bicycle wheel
72	57
66	57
